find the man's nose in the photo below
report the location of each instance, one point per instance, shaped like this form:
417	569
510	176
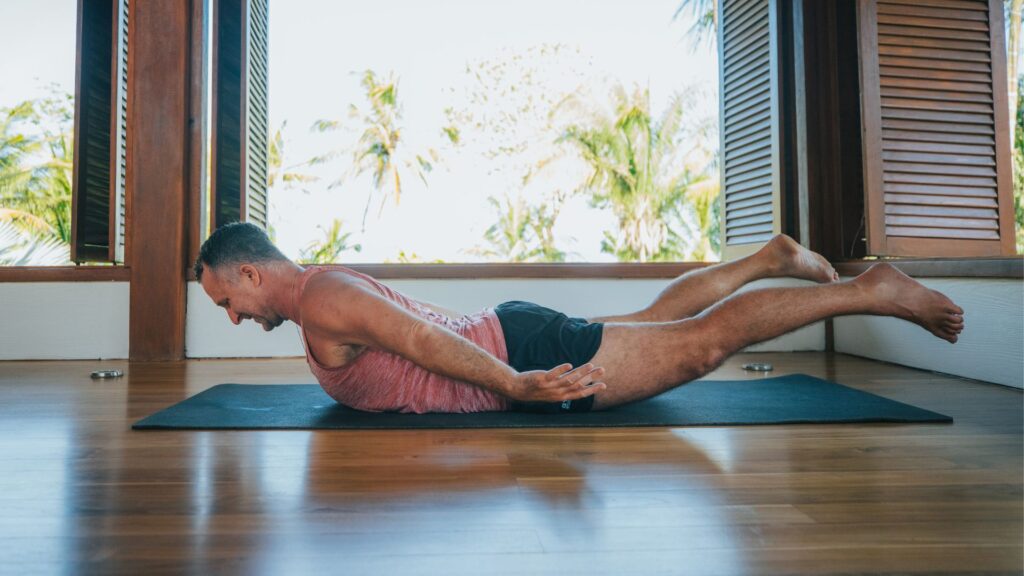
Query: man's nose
234	318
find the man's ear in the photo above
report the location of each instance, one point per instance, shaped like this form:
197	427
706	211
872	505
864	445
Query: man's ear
252	274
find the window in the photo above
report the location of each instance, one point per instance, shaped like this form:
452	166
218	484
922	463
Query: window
405	132
63	151
891	138
36	126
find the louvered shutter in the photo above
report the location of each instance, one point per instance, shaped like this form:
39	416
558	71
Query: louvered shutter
749	73
121	162
99	203
936	143
258	126
240	134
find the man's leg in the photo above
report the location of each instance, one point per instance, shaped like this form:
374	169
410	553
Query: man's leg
644	359
694	291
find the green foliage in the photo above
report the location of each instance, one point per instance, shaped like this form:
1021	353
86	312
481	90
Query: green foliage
326	251
704	28
505	111
639	168
277	173
412	258
523	233
17	248
36	150
378	150
279	176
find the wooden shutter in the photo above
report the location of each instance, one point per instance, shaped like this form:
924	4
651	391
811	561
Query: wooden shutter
936	142
240	125
749	88
99	202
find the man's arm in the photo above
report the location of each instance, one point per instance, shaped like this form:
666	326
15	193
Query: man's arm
349	313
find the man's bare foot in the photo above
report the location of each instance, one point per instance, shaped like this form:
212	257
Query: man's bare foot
792	259
900	295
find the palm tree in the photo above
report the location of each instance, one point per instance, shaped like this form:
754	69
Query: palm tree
1013	10
522	233
328	250
278	174
703	192
33	189
276	171
17	248
637	167
379	149
706	25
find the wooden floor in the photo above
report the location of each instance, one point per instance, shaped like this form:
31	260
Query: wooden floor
82	493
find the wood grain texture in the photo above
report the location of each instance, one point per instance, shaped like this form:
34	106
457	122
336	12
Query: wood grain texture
933	75
160	144
84	494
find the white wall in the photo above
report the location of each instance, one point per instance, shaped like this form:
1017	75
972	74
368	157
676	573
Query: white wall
209	332
63	320
86	320
991	347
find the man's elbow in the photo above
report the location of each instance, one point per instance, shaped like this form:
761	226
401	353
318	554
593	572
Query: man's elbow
422	341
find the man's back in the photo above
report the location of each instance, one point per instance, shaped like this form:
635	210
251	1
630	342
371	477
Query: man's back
374	379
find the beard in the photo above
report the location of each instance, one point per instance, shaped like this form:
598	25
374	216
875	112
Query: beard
269	323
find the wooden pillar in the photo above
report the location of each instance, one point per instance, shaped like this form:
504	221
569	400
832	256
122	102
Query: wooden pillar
159	173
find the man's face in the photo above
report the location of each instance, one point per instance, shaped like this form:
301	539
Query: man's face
241	290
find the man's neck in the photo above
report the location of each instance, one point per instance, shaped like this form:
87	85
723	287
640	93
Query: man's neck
285	279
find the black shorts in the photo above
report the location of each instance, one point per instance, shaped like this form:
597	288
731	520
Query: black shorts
539	338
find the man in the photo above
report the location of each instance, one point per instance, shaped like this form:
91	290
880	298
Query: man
375	349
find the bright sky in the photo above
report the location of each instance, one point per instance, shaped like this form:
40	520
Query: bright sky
318	49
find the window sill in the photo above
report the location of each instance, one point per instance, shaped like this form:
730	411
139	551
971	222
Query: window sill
1000	267
64	274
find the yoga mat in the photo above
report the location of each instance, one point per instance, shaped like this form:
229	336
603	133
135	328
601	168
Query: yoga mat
792	399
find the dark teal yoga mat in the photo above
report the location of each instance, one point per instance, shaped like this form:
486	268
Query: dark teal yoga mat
792	399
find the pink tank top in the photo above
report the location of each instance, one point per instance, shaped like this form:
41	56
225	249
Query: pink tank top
380	381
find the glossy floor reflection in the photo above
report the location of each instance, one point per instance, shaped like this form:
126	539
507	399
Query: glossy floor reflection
81	492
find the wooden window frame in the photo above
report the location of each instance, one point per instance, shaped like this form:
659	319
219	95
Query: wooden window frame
86	272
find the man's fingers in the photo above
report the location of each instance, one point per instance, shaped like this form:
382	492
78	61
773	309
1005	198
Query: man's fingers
582	376
558	371
577	372
586	391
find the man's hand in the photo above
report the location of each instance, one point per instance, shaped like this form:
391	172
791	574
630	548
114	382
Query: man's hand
558	384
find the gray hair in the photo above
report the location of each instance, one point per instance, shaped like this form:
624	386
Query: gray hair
236	243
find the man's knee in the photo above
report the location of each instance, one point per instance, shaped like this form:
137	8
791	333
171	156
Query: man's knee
704	351
699	363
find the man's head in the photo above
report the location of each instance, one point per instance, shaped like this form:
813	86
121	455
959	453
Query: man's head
234	266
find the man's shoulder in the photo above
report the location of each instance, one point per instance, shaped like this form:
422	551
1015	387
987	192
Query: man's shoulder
330	282
330	288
